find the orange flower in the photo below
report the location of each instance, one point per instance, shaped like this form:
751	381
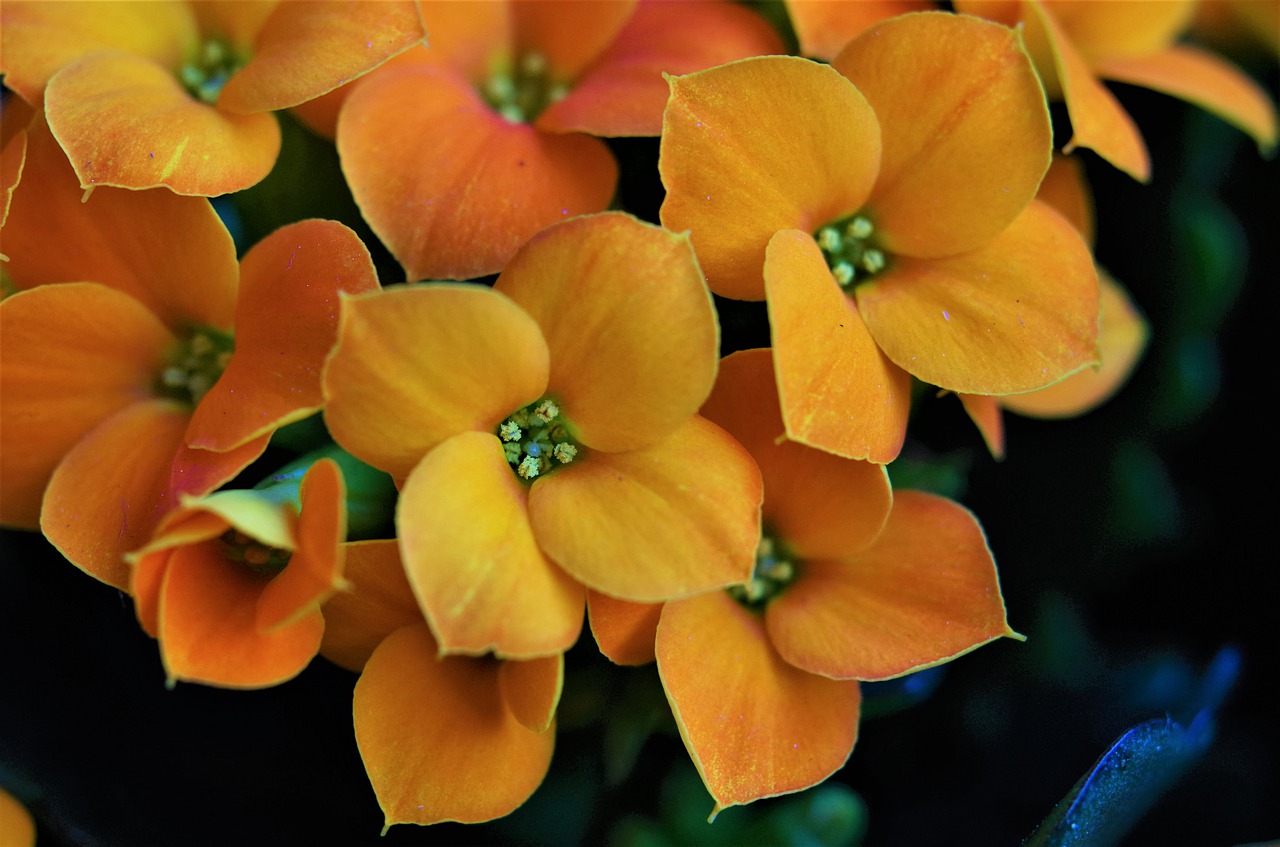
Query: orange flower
430	728
461	152
851	583
177	93
16	826
119	393
1076	44
231	584
894	222
546	435
823	27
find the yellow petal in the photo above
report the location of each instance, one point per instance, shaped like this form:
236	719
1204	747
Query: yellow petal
472	560
437	738
755	726
666	521
839	392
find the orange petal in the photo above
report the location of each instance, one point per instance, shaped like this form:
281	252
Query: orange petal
115	484
923	594
1122	336
1105	30
314	570
531	689
984	411
286	324
184	525
757	146
70	357
666	521
377	602
472	559
141	242
237	24
437	739
755	726
208	626
963	124
1207	81
15	822
1014	315
819	504
416	365
1098	121
825	26
598	286
490	186
839	392
1066	189
40	38
623	93
12	159
307	49
624	631
567	33
128	122
473	38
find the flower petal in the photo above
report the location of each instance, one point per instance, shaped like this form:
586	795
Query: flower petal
598	286
984	411
1015	315
666	521
756	146
40	38
1207	81
472	560
624	631
823	27
286	324
490	186
1098	121
377	602
567	33
821	505
152	245
307	49
754	725
963	124
623	93
115	484
70	357
1101	30
416	365
314	570
208	629
187	524
1066	189
466	759
1122	336
838	391
923	594
12	159
128	122
531	689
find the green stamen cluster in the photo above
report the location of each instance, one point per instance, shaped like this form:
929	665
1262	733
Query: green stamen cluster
194	364
536	440
850	250
209	71
522	95
774	571
257	557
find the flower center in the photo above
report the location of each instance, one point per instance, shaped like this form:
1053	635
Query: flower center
194	363
849	246
775	570
520	95
537	440
256	556
213	65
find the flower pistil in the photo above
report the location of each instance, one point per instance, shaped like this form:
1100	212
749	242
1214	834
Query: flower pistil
214	64
520	95
849	246
194	363
537	439
775	570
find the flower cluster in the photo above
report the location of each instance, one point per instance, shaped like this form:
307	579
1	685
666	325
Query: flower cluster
524	418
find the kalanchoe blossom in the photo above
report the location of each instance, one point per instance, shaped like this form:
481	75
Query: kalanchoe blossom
600	336
231	583
851	583
885	208
164	373
457	154
1076	45
431	727
179	94
824	27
